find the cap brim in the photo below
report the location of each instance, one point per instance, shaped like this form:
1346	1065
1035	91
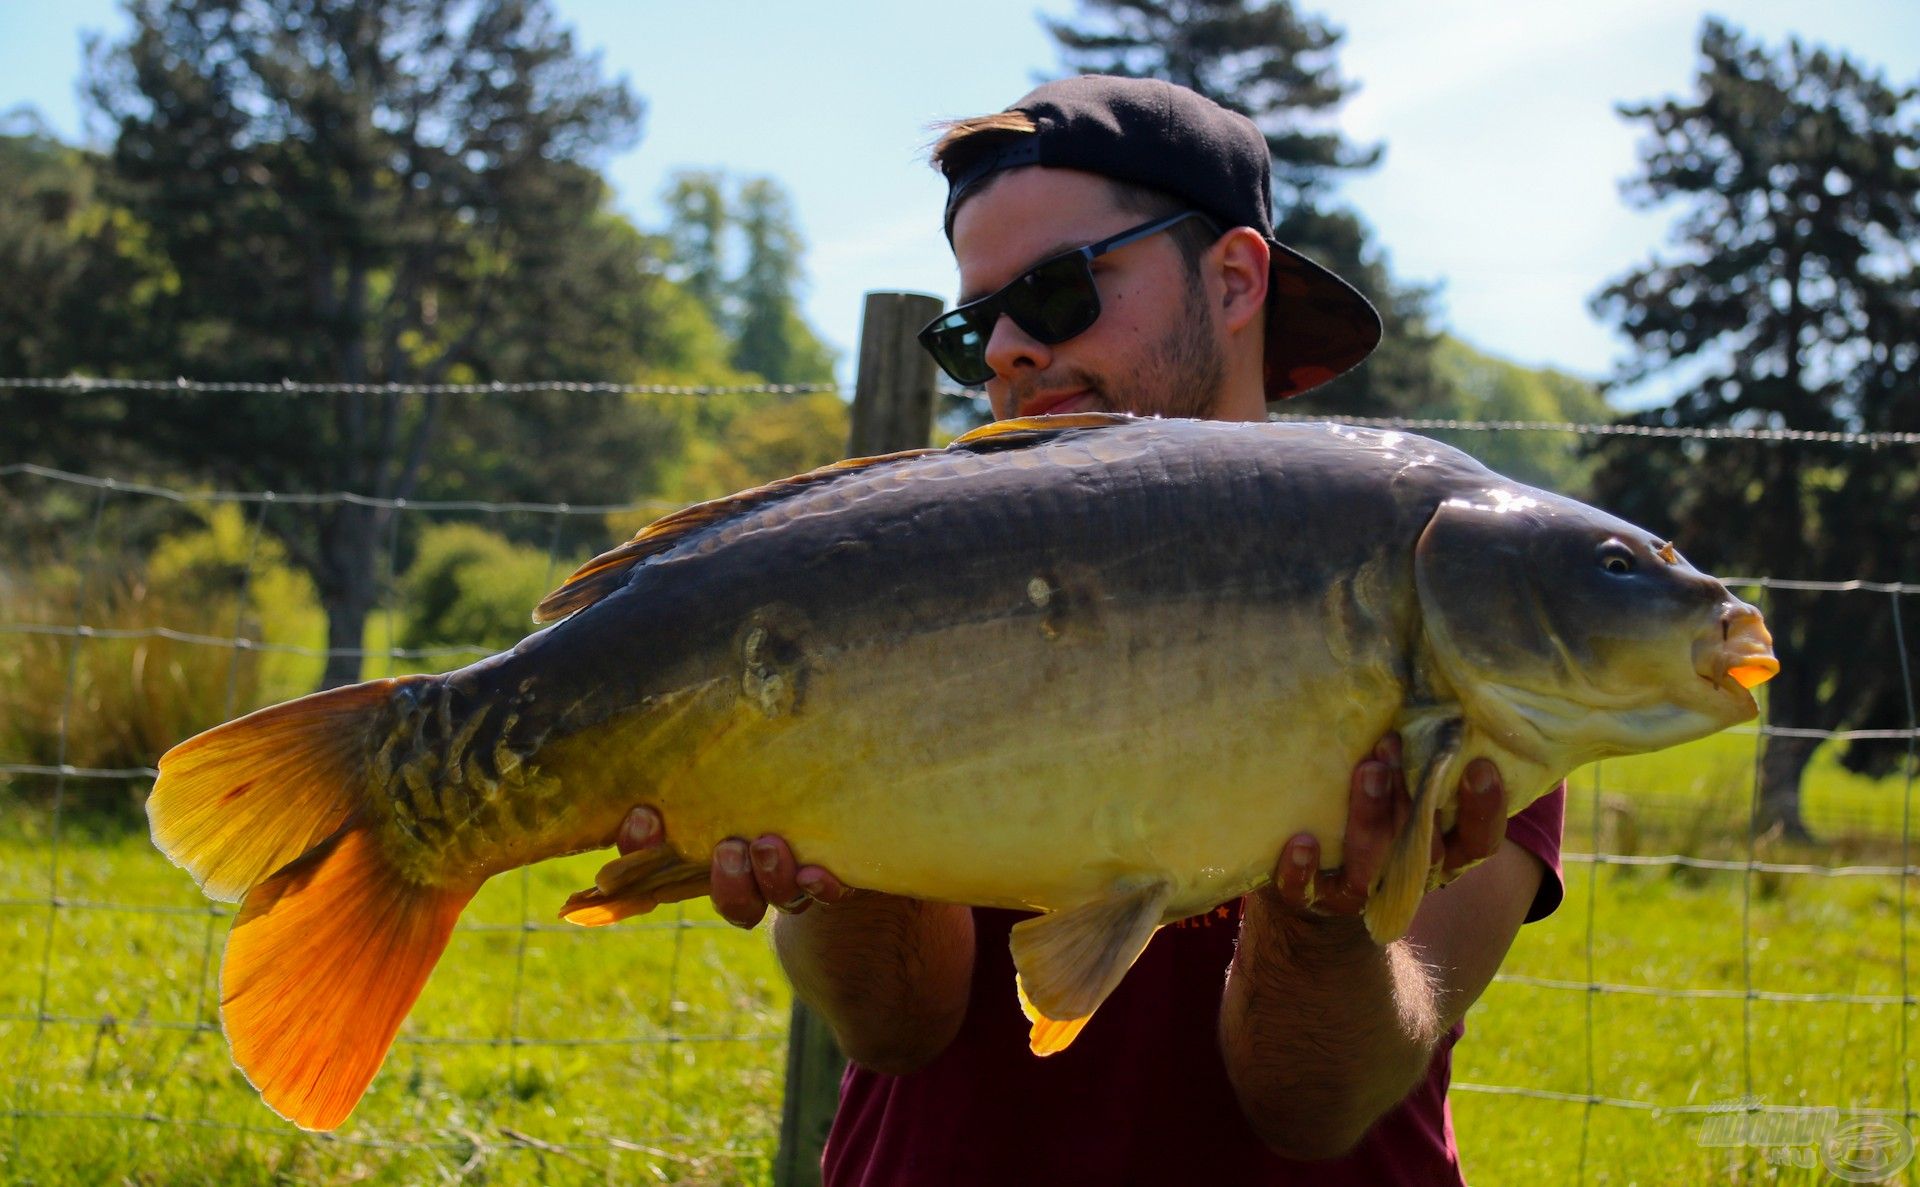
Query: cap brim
1318	325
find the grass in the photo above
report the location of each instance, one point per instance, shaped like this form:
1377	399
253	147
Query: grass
646	1052
1672	927
654	1052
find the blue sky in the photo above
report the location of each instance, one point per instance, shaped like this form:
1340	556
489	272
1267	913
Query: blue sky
1499	181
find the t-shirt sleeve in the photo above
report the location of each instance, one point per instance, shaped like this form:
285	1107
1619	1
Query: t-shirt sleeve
1537	829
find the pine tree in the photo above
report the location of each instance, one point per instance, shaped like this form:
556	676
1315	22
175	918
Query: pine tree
1270	62
1788	300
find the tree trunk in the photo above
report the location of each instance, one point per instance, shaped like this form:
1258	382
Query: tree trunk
349	548
1782	763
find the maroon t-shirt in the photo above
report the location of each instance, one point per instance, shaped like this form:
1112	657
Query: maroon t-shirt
1142	1096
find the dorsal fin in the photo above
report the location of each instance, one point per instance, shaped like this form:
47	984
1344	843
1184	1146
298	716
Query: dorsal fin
1026	430
609	571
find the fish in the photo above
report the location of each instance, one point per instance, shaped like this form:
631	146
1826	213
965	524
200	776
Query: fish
1096	667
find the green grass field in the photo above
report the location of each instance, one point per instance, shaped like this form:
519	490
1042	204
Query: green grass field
649	1052
653	1051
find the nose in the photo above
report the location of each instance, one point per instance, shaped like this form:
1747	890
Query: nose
1010	348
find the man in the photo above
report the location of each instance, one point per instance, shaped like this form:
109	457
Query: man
1303	1052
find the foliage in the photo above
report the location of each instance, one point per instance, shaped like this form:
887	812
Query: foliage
1790	301
470	586
370	191
158	669
1479	386
756	439
735	249
1267	60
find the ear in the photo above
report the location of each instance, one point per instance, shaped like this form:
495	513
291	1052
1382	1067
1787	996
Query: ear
1241	261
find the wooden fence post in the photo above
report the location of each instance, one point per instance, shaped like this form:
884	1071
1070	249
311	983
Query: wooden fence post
893	397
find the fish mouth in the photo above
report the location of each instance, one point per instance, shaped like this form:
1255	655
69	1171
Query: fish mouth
1740	658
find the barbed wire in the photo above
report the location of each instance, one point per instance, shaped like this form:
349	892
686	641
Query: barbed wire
1677	432
1684	1109
87	384
290	387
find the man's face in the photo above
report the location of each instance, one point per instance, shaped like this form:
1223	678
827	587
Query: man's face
1155	349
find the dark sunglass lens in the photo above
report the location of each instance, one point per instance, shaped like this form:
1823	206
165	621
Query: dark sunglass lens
960	347
1056	300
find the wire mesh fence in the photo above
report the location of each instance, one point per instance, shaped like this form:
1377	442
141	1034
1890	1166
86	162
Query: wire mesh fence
1706	987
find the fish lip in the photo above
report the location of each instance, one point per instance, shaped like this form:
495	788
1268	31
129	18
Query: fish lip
1742	650
1045	403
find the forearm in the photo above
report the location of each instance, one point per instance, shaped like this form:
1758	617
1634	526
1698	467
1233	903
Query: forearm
1322	1030
888	974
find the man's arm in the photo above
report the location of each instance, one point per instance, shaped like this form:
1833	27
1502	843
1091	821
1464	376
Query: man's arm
1321	1029
888	974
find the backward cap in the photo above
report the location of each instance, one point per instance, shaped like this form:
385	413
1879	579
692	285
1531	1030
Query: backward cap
1152	133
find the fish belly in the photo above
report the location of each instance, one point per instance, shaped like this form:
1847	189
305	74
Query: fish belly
1010	763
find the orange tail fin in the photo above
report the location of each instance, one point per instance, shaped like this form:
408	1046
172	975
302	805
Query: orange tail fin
234	804
324	962
329	952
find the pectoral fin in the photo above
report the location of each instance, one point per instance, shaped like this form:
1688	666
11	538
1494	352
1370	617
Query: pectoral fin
1069	961
1408	874
635	884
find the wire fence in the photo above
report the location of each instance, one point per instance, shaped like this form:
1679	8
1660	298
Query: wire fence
658	1044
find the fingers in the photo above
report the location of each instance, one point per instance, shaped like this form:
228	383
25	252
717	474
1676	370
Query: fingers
1377	808
746	879
640	830
735	893
1480	821
1296	878
749	878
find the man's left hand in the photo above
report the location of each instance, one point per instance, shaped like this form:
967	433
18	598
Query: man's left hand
1377	809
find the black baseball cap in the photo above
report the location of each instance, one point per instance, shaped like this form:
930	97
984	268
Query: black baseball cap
1172	139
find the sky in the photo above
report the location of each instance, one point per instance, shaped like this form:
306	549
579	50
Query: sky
1500	180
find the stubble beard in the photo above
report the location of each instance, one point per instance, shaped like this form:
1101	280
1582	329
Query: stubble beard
1184	373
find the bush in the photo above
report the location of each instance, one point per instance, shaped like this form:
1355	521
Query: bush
137	686
469	586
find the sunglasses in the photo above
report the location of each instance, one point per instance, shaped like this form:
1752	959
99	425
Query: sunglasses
1050	302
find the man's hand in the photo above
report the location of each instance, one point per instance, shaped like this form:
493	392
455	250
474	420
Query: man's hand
888	974
746	878
1377	809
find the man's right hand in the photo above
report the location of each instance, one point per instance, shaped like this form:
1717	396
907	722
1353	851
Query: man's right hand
746	877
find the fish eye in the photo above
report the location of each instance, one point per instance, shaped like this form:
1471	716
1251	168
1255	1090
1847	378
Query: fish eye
1616	557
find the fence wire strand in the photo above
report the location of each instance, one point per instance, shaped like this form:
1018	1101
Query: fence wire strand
668	1044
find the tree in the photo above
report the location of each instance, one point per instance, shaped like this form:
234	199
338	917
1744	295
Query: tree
697	230
772	339
1788	301
756	302
372	192
1266	60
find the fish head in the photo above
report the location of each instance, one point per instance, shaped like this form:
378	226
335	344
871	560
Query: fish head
1575	635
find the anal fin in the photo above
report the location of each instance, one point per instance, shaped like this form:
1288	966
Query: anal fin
1069	961
635	884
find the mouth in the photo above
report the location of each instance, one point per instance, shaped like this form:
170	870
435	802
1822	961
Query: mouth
1078	399
1742	658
